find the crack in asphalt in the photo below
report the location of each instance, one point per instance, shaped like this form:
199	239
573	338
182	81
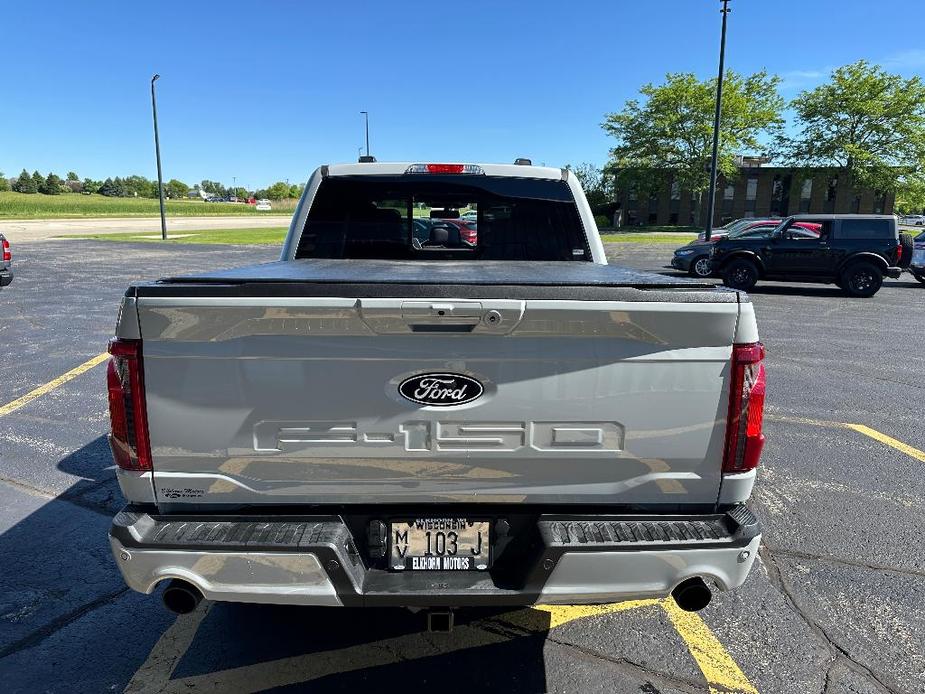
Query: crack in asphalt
633	668
842	371
509	630
42	633
845	562
836	651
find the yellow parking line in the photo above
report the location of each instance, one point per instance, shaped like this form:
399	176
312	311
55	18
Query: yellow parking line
888	440
911	451
718	667
51	385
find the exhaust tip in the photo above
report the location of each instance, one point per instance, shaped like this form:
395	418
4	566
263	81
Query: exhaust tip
692	595
181	597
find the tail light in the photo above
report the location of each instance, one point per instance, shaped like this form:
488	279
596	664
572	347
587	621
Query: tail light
7	256
744	439
131	448
899	253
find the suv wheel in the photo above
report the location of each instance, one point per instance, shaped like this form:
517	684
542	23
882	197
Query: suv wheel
920	276
740	274
862	279
701	267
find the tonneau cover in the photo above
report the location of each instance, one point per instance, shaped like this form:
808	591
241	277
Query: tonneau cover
520	279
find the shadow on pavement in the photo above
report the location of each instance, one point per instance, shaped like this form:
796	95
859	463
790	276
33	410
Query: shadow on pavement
59	585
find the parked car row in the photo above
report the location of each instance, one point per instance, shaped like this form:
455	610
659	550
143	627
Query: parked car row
695	256
916	220
853	251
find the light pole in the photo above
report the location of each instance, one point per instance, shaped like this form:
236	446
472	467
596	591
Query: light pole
366	113
157	151
719	109
234	187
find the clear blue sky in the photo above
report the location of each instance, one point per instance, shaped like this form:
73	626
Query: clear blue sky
269	90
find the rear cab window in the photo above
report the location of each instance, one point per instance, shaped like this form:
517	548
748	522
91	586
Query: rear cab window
443	217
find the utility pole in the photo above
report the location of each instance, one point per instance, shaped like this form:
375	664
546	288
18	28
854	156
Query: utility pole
719	109
366	113
157	151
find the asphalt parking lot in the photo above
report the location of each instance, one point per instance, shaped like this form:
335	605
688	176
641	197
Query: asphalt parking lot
834	605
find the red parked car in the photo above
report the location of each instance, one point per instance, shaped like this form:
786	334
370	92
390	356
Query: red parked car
468	231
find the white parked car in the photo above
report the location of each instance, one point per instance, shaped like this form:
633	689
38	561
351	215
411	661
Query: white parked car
470	216
913	220
263	206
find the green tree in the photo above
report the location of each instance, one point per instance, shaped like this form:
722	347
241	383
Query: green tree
592	182
278	191
25	183
140	186
671	129
4	183
90	186
175	189
38	180
51	185
865	121
71	176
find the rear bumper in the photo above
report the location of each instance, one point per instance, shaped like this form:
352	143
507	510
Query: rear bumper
6	276
315	560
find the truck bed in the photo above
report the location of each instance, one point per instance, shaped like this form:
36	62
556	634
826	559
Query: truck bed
439	279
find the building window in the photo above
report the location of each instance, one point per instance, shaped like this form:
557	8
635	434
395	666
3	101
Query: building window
728	197
879	201
780	195
831	192
632	194
674	203
751	192
653	217
673	218
856	203
806	194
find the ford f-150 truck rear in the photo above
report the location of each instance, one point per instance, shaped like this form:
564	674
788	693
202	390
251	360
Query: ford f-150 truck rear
398	414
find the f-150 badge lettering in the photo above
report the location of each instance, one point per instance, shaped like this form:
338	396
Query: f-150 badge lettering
440	390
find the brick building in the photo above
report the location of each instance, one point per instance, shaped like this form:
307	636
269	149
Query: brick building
758	191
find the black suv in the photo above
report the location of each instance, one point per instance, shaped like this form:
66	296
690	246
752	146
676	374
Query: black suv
854	251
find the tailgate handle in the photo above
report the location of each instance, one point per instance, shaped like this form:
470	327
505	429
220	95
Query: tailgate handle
430	312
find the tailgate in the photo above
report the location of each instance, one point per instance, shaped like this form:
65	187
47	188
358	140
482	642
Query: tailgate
297	400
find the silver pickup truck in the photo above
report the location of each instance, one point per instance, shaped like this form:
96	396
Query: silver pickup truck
410	408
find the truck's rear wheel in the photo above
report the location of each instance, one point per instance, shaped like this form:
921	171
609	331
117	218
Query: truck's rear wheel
740	274
862	279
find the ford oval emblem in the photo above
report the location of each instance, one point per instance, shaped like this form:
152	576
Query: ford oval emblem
441	390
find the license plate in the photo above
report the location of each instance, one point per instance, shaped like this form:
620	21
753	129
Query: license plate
439	544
